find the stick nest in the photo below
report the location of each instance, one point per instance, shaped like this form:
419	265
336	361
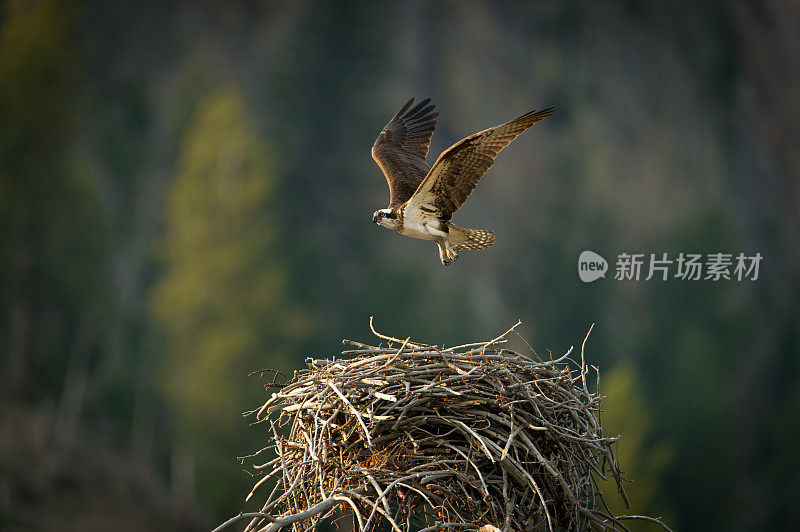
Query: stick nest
413	436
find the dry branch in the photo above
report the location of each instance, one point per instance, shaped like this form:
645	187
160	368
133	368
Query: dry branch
410	436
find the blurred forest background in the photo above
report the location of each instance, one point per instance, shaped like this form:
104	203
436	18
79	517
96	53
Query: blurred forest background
186	192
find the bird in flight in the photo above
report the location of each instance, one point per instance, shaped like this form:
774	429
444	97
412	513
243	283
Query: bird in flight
422	200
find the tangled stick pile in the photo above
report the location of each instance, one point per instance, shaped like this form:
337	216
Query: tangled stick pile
419	437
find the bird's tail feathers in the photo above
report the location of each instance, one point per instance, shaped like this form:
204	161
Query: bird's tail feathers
474	239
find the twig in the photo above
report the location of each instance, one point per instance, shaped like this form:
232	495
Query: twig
645	518
392	339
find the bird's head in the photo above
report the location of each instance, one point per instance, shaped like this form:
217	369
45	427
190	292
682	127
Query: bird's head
385	217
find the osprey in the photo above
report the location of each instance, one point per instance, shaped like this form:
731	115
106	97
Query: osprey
422	200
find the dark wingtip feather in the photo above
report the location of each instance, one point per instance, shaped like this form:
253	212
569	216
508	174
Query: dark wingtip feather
424	102
411	114
532	117
422	128
423	113
404	108
544	113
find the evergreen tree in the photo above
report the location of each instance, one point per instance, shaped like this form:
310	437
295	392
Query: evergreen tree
52	276
221	302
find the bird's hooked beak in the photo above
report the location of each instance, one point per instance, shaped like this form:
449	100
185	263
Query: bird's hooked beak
376	217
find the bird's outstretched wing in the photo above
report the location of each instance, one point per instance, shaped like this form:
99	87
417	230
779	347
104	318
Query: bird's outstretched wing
401	148
459	168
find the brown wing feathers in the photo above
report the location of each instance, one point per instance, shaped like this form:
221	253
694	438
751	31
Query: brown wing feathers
458	169
401	148
414	128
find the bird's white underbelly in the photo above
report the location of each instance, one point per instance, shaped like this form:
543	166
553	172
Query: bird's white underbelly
419	230
417	224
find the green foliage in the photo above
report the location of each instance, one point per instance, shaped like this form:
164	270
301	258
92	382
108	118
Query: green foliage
686	355
37	76
654	148
323	90
52	225
221	302
642	459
